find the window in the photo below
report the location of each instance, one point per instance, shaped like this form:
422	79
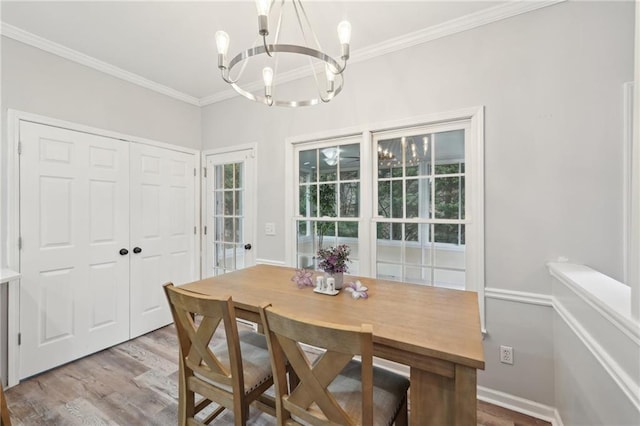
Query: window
406	198
328	200
420	227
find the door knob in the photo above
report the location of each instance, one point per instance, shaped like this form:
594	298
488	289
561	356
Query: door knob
247	246
124	252
137	250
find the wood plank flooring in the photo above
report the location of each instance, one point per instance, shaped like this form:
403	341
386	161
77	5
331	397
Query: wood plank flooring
135	383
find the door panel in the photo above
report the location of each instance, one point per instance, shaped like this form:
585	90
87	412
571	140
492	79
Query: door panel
162	226
74	203
230	239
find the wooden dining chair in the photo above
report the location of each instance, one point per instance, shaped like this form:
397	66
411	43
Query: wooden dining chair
333	388
4	411
232	372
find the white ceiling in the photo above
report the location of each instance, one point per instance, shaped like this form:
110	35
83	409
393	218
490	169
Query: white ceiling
171	43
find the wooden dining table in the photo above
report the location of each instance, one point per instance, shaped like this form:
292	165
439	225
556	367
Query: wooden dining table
435	331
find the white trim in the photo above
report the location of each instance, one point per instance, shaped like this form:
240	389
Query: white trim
15	116
414	121
519	296
49	46
520	405
434	32
453	26
270	262
630	388
563	272
627	195
633	265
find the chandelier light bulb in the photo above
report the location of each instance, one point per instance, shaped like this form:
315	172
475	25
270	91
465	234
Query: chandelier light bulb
263	7
344	32
222	42
267	76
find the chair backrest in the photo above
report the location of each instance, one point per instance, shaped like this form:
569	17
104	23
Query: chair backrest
284	335
4	411
196	317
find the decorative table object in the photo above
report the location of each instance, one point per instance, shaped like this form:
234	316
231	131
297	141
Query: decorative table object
303	278
357	290
333	261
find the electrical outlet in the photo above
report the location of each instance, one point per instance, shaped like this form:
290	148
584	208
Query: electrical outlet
506	355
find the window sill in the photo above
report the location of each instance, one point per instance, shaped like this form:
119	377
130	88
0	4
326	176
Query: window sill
609	297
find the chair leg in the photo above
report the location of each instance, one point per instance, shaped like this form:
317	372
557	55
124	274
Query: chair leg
5	420
186	398
402	418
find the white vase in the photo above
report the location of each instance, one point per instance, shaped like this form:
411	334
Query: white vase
338	277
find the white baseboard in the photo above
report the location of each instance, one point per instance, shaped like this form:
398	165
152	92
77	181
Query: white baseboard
520	405
271	262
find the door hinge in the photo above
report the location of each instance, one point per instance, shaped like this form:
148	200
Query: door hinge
19	339
205	230
205	171
19	148
19	243
194	230
194	171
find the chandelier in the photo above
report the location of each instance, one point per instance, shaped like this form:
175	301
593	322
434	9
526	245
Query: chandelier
333	70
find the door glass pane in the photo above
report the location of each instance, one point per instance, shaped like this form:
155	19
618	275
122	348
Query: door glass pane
237	179
228	217
228	203
228	176
218	176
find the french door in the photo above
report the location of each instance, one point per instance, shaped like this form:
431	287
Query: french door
229	221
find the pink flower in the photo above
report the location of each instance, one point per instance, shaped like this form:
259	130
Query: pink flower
303	278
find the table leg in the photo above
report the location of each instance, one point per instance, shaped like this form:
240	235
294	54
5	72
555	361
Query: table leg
439	400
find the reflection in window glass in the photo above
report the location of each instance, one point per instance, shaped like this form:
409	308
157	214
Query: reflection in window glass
421	178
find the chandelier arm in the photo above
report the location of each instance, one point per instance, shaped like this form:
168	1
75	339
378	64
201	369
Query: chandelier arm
225	78
286	48
266	47
306	18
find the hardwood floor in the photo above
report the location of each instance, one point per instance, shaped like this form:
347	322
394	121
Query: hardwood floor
135	383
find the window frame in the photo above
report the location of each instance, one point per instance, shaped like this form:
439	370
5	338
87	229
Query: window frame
474	172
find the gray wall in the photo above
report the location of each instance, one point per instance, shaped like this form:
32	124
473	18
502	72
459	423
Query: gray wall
551	83
42	83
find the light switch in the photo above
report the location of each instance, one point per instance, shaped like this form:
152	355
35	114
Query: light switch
270	228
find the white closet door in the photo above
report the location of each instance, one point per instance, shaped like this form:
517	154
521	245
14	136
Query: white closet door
74	210
162	231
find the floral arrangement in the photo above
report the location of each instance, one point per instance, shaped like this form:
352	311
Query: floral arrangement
334	259
303	278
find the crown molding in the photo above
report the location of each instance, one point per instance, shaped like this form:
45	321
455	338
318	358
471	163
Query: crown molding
454	26
26	37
